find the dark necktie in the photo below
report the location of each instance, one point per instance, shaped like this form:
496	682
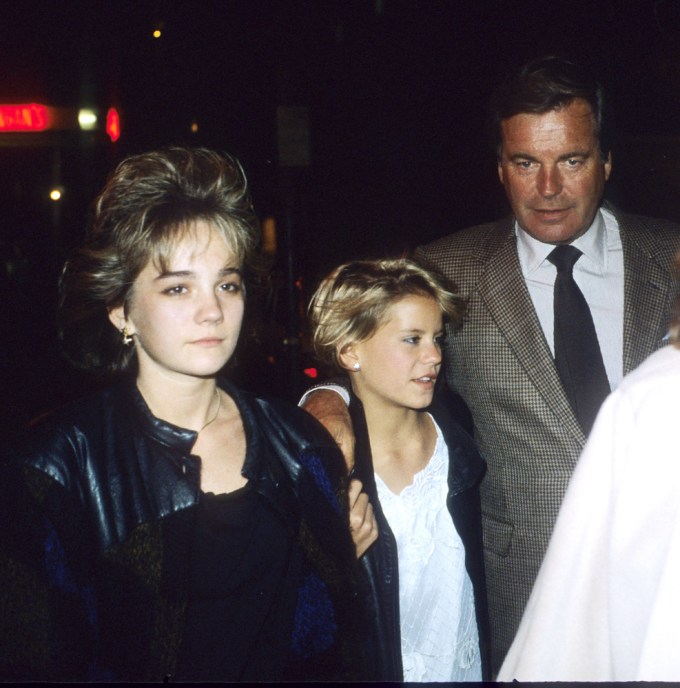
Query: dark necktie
577	352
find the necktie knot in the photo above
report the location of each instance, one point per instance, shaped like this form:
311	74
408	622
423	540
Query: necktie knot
564	257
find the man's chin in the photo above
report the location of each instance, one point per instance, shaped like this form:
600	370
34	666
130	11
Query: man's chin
553	230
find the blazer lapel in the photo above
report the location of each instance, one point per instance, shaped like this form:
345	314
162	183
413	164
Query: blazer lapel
646	293
504	292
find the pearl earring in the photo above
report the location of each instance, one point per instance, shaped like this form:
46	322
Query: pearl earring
356	366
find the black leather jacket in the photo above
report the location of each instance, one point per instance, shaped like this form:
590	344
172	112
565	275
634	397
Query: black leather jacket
380	563
97	527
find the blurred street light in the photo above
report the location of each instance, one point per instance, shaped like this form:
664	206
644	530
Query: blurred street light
87	119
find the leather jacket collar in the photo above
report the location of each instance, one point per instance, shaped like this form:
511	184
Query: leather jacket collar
161	431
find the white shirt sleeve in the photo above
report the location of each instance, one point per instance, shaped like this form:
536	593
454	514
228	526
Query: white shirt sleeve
333	388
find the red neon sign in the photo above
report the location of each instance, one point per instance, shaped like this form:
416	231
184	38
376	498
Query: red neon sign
113	124
26	117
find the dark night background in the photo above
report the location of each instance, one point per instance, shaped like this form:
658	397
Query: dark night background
396	94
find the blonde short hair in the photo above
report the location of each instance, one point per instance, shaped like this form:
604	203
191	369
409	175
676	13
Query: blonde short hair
352	302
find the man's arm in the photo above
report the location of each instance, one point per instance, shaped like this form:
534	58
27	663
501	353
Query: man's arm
331	410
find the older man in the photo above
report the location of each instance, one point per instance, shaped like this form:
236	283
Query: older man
553	160
548	333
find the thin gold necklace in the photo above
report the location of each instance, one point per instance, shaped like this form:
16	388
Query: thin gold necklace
217	413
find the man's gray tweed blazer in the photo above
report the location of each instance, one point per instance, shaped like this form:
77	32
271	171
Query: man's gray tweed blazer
500	363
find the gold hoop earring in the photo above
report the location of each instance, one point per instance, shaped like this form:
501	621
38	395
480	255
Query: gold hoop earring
127	337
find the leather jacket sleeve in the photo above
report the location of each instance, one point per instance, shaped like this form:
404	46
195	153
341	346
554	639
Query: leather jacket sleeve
45	553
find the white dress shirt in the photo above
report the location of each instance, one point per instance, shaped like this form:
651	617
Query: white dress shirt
599	275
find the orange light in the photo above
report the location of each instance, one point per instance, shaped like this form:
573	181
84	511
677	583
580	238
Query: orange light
25	117
269	236
113	124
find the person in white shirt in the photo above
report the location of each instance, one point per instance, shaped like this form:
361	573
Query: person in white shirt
382	323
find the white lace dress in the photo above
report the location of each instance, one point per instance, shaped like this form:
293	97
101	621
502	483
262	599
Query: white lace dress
439	640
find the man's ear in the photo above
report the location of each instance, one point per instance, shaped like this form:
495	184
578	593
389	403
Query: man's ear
348	357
